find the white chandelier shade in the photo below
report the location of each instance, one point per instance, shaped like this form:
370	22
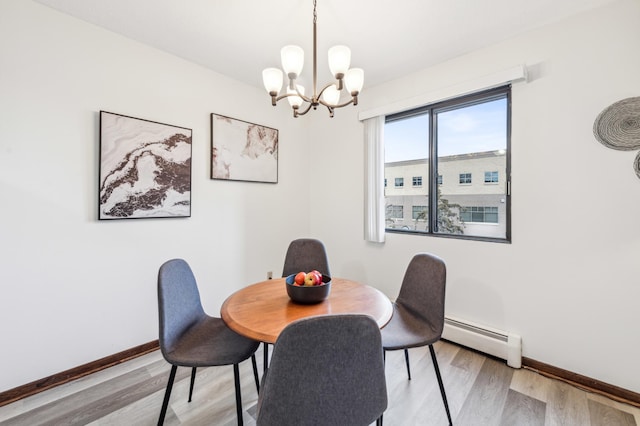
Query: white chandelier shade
339	60
293	96
292	60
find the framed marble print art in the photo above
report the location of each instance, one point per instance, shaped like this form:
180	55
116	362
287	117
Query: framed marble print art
243	151
145	169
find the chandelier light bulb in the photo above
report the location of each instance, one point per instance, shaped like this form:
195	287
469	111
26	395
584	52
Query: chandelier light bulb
354	80
292	60
295	101
272	79
331	95
339	60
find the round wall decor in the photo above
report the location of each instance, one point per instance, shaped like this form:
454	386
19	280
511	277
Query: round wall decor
618	127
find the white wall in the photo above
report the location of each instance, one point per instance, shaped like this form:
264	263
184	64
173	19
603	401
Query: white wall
75	289
569	281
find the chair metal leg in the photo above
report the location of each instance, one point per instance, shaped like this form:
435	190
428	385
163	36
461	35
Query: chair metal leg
406	360
193	380
265	350
236	379
167	394
439	377
379	421
255	373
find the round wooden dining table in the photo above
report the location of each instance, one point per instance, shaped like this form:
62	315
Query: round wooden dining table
261	311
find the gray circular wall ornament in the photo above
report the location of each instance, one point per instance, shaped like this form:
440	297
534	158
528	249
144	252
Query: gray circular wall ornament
618	125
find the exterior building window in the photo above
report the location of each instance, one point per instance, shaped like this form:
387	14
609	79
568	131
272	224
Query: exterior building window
385	182
465	178
395	212
479	214
419	212
491	177
463	137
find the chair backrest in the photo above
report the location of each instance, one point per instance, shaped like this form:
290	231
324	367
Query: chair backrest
423	290
325	370
179	304
306	254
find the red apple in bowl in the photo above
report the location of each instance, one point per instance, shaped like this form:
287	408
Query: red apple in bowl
319	277
310	279
299	278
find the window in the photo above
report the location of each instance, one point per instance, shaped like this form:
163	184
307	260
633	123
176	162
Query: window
419	212
479	214
395	212
385	182
465	178
491	177
399	182
461	137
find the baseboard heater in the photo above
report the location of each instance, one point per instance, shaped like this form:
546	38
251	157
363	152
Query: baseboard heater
501	344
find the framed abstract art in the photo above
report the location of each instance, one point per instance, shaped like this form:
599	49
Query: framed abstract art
243	151
145	169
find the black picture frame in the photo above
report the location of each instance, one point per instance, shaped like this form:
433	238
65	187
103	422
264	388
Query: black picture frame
145	169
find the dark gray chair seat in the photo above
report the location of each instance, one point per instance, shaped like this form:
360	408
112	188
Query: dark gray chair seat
191	338
325	371
418	312
209	343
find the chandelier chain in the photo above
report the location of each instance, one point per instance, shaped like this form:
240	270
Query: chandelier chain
315	14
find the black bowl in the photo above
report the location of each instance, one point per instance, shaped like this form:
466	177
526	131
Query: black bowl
308	295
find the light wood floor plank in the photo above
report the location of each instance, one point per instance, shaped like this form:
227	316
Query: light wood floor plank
635	411
459	378
531	384
602	415
522	410
487	396
566	406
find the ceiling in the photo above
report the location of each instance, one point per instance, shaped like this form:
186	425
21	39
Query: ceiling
388	39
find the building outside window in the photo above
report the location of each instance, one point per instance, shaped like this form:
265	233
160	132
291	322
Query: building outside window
471	136
419	212
465	178
479	214
491	177
399	182
395	212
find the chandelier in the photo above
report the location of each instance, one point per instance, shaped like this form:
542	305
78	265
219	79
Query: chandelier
292	61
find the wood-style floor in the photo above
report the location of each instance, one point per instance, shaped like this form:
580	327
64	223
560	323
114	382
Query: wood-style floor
481	391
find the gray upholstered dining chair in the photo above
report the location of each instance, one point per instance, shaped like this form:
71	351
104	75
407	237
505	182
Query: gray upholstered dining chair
418	312
305	254
191	338
325	370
